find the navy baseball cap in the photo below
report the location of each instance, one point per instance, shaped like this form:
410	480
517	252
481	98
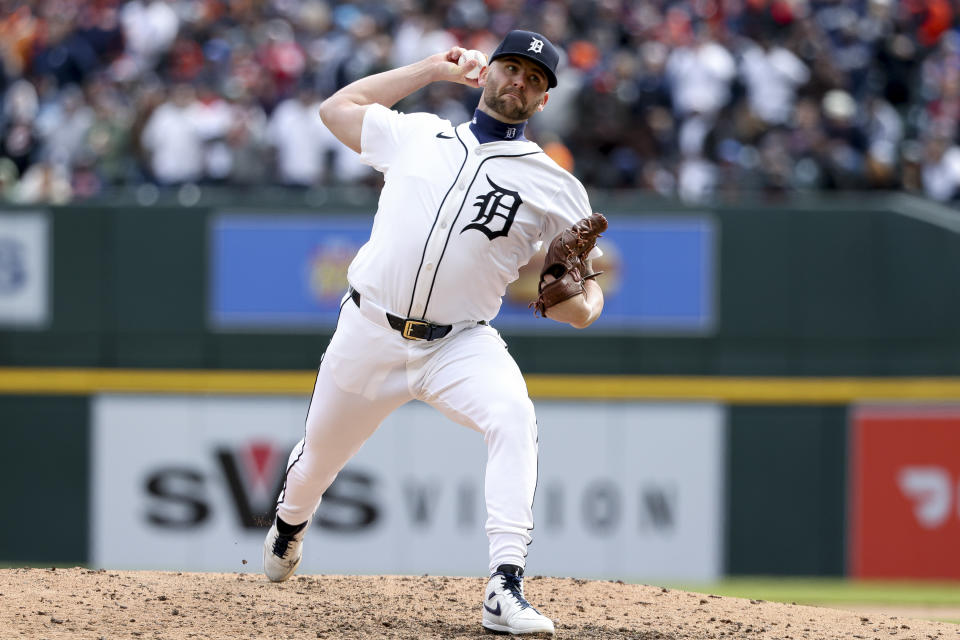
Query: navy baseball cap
533	46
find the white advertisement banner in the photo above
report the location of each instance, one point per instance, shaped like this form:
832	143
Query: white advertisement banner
625	490
24	269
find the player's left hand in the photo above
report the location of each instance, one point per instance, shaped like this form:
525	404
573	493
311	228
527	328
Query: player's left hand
566	265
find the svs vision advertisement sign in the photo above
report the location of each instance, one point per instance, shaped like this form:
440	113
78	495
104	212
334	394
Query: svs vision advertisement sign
625	490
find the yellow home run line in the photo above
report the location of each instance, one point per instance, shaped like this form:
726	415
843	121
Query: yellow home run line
733	390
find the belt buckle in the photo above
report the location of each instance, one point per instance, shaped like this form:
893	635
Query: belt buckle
408	326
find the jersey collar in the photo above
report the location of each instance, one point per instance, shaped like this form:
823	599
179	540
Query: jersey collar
489	129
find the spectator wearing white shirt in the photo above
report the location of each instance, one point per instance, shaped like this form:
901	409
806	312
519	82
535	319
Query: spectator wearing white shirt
303	144
149	29
940	171
771	75
699	76
238	157
300	139
64	127
213	117
18	132
172	137
884	131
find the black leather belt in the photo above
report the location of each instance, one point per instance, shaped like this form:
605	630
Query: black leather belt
409	328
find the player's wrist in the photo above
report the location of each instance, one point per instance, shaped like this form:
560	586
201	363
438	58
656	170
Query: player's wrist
437	68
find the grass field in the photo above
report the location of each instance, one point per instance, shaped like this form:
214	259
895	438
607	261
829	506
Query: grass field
927	599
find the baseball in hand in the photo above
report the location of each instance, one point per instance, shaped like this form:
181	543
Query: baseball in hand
473	54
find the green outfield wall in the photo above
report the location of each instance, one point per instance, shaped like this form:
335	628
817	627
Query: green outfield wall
45	471
864	287
819	306
787	490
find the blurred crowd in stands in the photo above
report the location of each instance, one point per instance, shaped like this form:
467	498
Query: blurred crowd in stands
701	99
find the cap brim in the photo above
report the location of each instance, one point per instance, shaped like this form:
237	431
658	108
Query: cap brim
551	76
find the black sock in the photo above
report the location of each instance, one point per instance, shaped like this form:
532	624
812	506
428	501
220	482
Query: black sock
289	529
511	569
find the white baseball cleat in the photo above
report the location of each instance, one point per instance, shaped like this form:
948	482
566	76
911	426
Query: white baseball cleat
505	610
282	552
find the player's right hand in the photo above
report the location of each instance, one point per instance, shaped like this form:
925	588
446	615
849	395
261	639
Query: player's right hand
448	69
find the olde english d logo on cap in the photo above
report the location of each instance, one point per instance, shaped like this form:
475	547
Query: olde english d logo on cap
536	45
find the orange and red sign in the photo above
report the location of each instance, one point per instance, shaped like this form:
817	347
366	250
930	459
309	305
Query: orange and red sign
904	512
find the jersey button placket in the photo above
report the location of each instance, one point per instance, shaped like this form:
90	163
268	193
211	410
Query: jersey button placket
439	238
434	250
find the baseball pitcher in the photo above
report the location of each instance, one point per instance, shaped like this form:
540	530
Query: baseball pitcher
462	209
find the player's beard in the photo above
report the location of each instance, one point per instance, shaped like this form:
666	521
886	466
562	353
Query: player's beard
510	109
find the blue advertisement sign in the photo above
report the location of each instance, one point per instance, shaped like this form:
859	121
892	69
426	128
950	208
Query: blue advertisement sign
278	271
282	271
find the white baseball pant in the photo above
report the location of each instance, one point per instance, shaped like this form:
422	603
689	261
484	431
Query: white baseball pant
369	370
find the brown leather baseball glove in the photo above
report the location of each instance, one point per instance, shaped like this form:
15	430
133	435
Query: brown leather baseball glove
565	262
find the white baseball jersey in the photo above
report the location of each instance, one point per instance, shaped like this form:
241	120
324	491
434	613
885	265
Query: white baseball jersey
456	218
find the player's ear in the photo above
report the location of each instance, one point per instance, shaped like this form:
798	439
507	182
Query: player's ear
543	102
482	78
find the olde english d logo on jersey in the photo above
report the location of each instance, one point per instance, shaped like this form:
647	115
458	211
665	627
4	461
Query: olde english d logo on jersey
496	211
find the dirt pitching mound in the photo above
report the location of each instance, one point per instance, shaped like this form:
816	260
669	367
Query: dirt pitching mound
148	605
